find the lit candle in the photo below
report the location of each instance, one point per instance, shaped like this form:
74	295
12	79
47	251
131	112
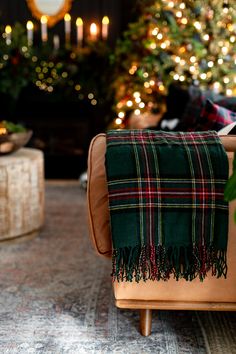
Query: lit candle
79	26
30	28
3	130
93	31
67	20
56	42
105	23
44	28
8	31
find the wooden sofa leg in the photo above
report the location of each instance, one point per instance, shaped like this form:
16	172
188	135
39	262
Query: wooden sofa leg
145	322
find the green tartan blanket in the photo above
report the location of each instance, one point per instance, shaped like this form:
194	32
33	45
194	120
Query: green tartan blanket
166	201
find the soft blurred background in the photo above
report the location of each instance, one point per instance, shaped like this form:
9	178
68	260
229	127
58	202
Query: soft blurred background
113	64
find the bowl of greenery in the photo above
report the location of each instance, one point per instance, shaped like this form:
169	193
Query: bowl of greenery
13	137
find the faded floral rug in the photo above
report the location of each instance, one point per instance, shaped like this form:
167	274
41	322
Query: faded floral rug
56	296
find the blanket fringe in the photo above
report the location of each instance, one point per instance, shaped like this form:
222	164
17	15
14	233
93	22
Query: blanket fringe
158	263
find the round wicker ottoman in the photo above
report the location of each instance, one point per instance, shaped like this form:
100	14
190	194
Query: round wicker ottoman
21	194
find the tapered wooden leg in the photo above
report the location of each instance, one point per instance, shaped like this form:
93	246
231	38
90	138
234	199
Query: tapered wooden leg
145	322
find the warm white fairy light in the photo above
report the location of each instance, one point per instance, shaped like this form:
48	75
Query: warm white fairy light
145	75
206	37
137	99
184	21
141	104
203	76
155	31
229	92
136	94
192	69
146	84
193	59
181	78
226	80
182	6
220	61
210	64
129	103
118	121
176	77
177	59
121	114
137	112
159	36
133	69
152	82
197	25
163	45
232	39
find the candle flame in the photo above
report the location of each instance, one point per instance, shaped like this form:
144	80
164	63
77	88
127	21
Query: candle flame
3	131
105	20
29	25
67	17
8	29
79	21
93	29
44	19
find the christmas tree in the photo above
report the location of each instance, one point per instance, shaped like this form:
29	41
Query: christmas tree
190	42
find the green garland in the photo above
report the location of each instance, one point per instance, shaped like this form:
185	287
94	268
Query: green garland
77	74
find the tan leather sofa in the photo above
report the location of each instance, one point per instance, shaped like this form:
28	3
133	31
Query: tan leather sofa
211	294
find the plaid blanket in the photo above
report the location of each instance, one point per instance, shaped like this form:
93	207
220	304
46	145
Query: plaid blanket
166	201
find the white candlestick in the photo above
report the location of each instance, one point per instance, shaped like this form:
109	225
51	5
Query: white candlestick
44	28
93	31
56	42
30	28
79	26
105	23
8	31
67	20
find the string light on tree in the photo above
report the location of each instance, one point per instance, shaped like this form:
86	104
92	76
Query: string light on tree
203	56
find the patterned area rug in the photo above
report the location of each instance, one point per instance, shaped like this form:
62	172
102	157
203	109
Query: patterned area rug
56	298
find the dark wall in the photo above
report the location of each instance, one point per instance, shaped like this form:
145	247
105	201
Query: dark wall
120	13
62	128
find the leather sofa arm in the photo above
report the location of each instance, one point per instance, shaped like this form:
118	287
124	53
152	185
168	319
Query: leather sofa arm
97	192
